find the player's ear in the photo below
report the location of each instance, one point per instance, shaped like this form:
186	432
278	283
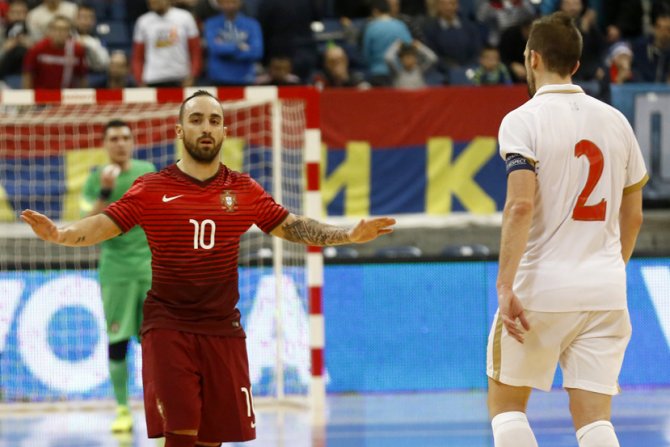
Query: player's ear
225	131
534	59
574	70
179	130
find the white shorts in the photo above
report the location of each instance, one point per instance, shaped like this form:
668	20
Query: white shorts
589	346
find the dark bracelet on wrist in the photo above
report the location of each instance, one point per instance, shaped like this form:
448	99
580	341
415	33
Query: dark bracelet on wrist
105	193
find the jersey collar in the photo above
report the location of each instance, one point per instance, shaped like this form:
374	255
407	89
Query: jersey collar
559	88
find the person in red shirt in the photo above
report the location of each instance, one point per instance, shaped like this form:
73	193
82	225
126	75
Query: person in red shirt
194	213
57	61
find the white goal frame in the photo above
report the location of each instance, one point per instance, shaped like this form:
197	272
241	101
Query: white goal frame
312	205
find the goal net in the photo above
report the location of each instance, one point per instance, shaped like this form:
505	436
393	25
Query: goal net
53	345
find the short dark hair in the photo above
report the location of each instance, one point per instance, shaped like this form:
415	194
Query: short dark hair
86	5
195	95
113	124
407	49
381	6
558	40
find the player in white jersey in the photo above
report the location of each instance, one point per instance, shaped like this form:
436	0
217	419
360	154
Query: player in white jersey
572	215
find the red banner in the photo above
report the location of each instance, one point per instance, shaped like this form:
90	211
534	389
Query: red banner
395	118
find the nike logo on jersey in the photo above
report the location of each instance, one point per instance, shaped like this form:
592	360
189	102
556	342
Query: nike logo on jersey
170	199
253	424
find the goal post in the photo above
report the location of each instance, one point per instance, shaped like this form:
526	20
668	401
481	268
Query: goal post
55	349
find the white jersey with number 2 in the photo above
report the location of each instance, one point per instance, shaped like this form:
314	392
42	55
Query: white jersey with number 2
586	157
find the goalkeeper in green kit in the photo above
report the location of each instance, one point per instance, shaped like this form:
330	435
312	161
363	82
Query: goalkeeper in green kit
125	261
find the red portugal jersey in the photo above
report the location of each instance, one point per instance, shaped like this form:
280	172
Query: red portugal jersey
194	230
55	68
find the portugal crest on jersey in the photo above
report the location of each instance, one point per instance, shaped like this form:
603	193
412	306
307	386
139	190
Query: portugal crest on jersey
228	200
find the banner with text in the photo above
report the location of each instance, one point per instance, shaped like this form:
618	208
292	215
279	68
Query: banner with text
428	151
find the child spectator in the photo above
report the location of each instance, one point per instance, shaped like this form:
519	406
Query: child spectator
279	73
408	62
490	70
620	61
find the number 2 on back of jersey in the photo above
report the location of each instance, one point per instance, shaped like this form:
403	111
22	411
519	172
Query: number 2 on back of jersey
594	155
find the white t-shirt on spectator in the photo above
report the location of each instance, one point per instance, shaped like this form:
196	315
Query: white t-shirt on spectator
586	156
165	39
39	17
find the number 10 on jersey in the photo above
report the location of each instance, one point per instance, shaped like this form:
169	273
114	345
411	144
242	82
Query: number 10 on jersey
201	231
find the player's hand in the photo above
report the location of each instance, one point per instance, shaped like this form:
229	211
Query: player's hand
370	229
108	175
43	227
511	311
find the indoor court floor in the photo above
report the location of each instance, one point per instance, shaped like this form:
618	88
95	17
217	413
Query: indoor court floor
454	419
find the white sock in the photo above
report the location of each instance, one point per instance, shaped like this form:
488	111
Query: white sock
511	429
597	434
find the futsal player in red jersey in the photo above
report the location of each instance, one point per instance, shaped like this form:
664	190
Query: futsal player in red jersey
197	390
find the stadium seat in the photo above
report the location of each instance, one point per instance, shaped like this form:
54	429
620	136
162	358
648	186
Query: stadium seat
13	81
115	34
340	252
400	251
458	76
118	10
466	251
328	30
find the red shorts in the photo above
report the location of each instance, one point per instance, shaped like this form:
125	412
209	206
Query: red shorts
197	382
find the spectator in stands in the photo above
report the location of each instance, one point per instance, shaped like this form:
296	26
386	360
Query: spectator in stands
118	72
287	31
455	40
379	35
234	45
408	63
623	19
57	61
15	41
166	47
97	56
620	63
412	23
591	74
512	44
336	71
651	54
499	15
279	72
490	70
39	18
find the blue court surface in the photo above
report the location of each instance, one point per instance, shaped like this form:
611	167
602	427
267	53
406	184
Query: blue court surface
455	419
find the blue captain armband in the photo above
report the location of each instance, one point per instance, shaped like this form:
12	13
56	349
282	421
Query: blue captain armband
515	162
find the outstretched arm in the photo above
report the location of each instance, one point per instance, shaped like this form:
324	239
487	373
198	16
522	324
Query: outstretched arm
88	231
308	231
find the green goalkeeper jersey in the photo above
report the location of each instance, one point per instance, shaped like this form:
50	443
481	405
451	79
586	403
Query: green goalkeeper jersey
127	256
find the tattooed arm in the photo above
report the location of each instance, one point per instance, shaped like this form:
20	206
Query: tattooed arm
308	231
88	231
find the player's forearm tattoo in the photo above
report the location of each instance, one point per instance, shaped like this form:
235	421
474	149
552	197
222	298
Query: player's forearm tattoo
309	231
80	239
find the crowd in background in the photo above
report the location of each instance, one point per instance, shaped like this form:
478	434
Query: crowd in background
328	43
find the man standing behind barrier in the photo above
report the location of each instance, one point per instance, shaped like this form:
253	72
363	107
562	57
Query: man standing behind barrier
125	261
571	218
